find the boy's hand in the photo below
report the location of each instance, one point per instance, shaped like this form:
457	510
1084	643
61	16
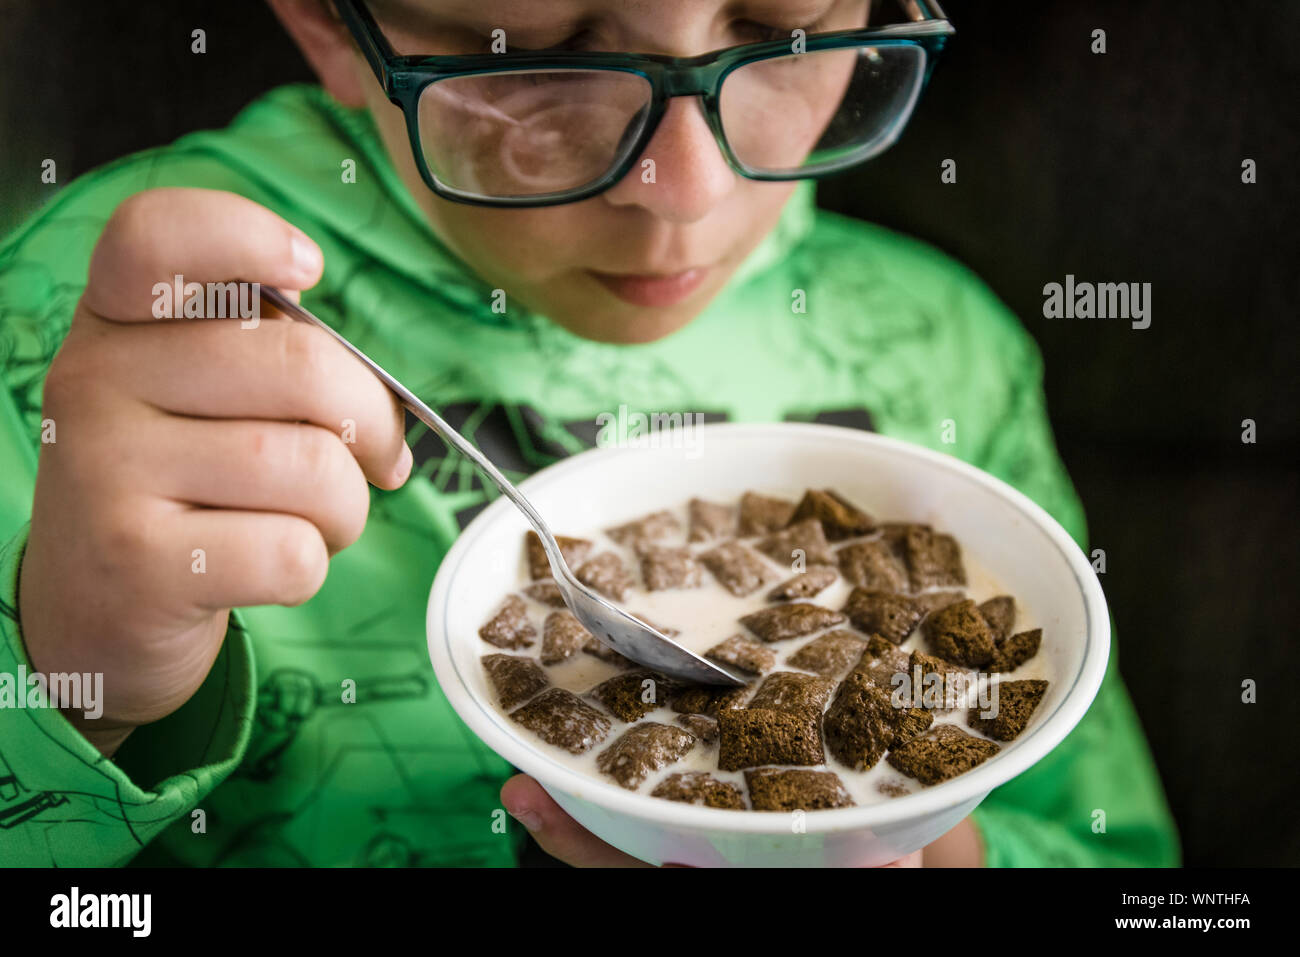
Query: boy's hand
565	839
197	465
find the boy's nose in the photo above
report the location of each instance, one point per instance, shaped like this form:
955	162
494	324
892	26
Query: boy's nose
690	174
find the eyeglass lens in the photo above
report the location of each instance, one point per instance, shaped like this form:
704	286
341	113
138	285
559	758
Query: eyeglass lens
531	132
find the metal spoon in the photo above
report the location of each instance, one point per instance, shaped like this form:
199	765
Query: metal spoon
628	636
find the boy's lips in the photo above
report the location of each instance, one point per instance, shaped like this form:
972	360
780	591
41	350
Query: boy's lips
655	289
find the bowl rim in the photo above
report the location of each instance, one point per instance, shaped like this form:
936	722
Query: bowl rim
489	724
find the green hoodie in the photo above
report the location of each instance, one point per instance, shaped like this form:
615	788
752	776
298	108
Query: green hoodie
894	337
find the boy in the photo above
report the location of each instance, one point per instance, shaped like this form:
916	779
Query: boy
191	468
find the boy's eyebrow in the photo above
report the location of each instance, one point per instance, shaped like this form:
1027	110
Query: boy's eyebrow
480	16
418	27
559	15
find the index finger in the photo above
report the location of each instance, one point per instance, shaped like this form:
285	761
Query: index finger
201	235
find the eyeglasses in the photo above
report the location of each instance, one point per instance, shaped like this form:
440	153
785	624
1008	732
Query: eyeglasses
527	129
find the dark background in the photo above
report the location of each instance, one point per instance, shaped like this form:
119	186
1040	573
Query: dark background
1122	167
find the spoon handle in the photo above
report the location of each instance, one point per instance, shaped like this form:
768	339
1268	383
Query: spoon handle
421	411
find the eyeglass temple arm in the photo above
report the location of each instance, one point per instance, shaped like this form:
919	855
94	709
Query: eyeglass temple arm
923	10
374	45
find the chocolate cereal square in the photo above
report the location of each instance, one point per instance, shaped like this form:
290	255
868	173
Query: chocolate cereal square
859	724
893	789
1016	650
941	753
839	518
699	787
632	696
749	737
772	789
883	613
642	750
942	694
792	620
664	567
651	527
606	574
709	520
830	655
743	654
598	649
910	723
804	541
792	691
1000	615
574	551
515	679
1015	705
546	592
563	719
815	579
960	634
761	514
562	637
736	568
863	722
932	601
700	725
894	534
872	565
509	627
706	699
882	662
933	560
878	647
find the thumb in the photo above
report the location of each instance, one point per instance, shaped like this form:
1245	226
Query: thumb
558	834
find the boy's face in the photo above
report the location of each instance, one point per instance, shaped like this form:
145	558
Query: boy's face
642	259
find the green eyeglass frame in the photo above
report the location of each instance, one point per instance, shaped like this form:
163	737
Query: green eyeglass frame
404	79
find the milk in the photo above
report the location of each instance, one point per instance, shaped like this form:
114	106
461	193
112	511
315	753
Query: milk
708	615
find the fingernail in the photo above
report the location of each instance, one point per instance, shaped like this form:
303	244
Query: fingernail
528	819
306	256
404	463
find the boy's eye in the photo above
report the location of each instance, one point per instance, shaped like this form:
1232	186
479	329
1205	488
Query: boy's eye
750	31
581	39
584	37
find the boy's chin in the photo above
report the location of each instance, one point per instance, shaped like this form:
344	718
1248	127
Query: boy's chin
627	325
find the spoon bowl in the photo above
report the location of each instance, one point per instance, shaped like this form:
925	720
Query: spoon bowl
634	639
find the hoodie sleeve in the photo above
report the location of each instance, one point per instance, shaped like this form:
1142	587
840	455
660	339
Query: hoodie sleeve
62	803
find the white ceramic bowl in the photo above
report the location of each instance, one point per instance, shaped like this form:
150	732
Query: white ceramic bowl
1019	544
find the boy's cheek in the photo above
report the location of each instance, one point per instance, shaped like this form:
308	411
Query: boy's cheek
513	245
